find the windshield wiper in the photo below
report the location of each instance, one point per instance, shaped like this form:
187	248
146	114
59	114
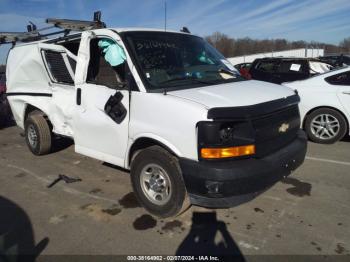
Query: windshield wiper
184	78
223	70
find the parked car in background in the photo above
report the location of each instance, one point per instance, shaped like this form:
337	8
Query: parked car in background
281	69
336	60
325	105
5	112
243	69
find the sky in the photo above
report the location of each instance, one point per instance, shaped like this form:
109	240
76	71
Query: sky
310	20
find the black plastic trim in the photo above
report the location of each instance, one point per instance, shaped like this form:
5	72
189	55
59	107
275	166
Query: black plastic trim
78	98
28	94
253	111
209	136
115	109
67	38
224	184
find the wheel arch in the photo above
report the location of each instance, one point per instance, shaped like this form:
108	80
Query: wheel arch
327	107
29	108
146	141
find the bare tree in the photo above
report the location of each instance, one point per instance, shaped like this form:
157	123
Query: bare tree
222	42
230	47
345	45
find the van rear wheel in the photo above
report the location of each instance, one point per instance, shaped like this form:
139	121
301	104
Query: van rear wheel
38	134
157	182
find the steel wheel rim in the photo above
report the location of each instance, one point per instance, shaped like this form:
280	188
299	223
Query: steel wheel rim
32	136
325	126
155	184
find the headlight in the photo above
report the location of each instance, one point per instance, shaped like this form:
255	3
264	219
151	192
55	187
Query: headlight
226	133
220	139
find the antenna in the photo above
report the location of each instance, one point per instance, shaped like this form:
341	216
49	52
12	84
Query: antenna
165	15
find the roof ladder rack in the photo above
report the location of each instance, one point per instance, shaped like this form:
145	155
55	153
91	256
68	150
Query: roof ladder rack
67	25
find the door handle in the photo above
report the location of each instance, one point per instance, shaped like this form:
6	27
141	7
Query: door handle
346	92
78	96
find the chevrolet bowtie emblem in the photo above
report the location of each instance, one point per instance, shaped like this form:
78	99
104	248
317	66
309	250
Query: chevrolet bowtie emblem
283	128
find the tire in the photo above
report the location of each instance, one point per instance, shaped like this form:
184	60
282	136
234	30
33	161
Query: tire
4	111
172	199
38	134
325	126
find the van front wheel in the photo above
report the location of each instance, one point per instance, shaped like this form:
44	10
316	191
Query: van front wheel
157	182
38	134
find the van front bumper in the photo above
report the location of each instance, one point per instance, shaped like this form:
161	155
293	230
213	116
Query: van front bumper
230	183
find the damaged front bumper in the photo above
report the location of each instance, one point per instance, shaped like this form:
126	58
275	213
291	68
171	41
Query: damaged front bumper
230	183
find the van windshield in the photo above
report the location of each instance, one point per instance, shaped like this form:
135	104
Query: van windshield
172	61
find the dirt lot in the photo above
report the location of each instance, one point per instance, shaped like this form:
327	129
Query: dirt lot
307	213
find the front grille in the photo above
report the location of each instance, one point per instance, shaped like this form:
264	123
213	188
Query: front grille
276	130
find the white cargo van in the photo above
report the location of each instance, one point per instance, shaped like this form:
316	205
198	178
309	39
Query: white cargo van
165	105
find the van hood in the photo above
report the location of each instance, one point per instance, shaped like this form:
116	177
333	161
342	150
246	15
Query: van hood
235	94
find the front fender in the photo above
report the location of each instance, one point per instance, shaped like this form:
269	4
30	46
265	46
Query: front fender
157	139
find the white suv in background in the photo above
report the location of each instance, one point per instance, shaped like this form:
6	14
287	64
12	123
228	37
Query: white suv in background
325	105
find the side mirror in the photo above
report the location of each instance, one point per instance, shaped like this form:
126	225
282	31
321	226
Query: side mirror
115	109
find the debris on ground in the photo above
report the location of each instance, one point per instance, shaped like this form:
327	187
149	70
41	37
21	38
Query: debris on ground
65	178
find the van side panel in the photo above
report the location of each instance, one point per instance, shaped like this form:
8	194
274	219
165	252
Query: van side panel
29	83
25	73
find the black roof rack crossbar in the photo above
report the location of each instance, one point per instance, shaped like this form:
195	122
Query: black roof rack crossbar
67	25
78	25
60	39
185	30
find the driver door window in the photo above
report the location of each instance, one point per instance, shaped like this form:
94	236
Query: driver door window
100	70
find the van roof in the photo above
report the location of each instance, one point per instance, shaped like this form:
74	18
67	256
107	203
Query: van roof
116	29
128	29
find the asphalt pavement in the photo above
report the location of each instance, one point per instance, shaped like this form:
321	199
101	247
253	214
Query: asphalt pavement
305	214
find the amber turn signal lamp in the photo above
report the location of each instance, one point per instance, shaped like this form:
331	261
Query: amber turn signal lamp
211	153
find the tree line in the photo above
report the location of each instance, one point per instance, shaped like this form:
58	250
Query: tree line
231	47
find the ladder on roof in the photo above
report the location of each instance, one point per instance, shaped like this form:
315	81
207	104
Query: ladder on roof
66	26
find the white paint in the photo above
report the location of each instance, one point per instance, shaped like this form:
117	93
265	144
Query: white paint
234	94
328	161
95	133
343	94
169	119
319	67
317	92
